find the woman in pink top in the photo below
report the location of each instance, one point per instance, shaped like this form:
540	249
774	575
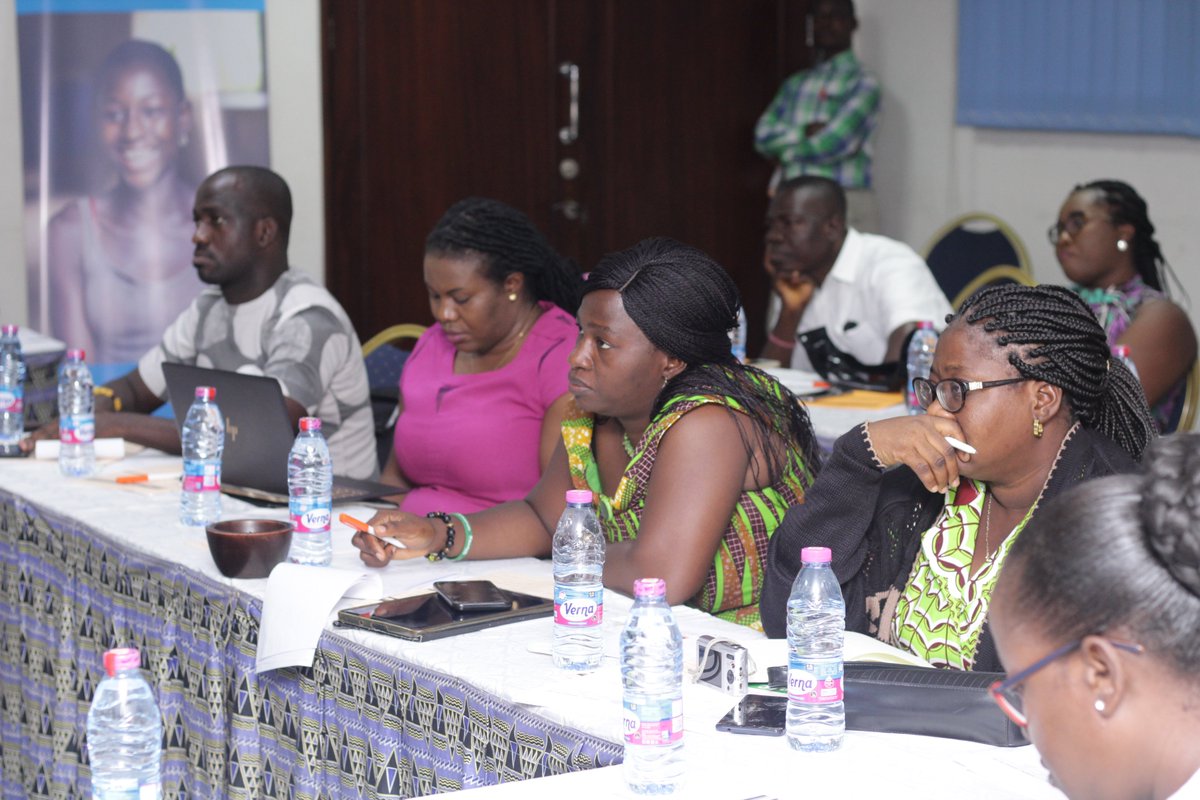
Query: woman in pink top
485	389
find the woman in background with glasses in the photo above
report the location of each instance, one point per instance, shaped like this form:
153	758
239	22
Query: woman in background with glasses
1105	243
1097	616
919	530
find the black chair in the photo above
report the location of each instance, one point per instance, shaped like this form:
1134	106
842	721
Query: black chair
973	251
385	361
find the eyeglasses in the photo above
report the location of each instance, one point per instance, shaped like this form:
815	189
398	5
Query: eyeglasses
951	393
1072	225
1009	699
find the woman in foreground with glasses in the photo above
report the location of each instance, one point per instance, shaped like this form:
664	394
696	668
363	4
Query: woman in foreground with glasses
1098	613
1105	243
919	530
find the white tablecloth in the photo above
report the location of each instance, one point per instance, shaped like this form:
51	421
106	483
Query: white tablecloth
511	662
830	422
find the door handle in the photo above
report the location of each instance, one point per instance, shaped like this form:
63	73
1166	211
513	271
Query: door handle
571	209
570	132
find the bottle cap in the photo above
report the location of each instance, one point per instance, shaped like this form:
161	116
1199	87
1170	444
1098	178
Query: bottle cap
925	324
9	330
649	587
816	555
207	392
77	355
310	423
579	496
121	658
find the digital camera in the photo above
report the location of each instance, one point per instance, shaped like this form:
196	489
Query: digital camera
723	664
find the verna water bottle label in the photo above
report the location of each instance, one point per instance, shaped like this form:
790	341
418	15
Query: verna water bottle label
76	429
310	515
201	477
12	400
577	608
654	721
815	681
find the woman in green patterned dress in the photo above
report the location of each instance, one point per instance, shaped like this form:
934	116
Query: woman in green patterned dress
693	457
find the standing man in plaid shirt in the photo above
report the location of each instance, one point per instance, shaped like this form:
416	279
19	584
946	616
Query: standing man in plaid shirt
821	120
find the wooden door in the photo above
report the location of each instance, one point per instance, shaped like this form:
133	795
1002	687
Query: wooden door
428	101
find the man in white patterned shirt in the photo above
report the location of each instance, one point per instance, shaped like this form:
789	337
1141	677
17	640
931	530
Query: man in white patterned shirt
257	317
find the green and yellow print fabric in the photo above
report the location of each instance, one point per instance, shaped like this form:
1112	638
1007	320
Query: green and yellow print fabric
734	582
942	608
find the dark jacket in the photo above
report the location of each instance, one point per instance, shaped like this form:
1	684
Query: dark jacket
873	520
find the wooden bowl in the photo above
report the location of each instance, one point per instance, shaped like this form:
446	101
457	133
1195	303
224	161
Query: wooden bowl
248	548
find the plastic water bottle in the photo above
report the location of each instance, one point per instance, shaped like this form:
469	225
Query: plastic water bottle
1121	353
12	391
578	585
816	715
652	678
124	732
920	359
310	495
76	417
203	440
737	337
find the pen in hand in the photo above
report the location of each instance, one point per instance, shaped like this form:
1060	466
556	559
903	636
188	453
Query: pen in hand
957	445
363	527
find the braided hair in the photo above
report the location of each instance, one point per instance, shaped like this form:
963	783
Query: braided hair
509	243
685	303
1060	342
1121	551
1126	207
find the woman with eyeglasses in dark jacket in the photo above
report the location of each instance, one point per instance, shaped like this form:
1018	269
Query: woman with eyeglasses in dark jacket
920	530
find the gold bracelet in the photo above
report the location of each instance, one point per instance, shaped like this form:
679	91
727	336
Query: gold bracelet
105	391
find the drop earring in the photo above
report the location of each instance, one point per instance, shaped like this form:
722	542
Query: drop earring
1038	428
1122	245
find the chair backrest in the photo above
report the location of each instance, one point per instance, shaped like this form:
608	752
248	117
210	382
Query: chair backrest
396	333
385	361
971	245
1191	399
1004	273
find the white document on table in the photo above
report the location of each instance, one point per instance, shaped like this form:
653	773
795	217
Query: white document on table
298	602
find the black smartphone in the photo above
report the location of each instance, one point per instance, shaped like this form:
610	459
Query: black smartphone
757	715
473	595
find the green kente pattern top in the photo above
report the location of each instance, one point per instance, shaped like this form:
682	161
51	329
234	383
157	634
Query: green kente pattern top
941	611
732	586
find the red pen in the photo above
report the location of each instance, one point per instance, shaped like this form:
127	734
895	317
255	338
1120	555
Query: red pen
143	477
363	527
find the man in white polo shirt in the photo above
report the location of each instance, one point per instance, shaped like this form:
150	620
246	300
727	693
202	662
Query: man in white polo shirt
868	292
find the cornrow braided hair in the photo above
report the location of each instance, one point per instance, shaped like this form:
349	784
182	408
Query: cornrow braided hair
1057	340
685	303
509	243
1120	552
1126	207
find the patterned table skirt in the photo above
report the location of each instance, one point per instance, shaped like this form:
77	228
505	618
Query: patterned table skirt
357	724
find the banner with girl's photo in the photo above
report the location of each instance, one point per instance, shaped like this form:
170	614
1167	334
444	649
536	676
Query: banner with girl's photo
126	106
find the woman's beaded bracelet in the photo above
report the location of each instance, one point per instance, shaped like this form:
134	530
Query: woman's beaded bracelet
449	523
468	538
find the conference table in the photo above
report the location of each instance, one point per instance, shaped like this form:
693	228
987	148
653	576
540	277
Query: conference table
89	564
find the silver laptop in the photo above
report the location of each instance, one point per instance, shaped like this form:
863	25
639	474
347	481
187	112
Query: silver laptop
258	434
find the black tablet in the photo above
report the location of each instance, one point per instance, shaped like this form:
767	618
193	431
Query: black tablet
428	616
